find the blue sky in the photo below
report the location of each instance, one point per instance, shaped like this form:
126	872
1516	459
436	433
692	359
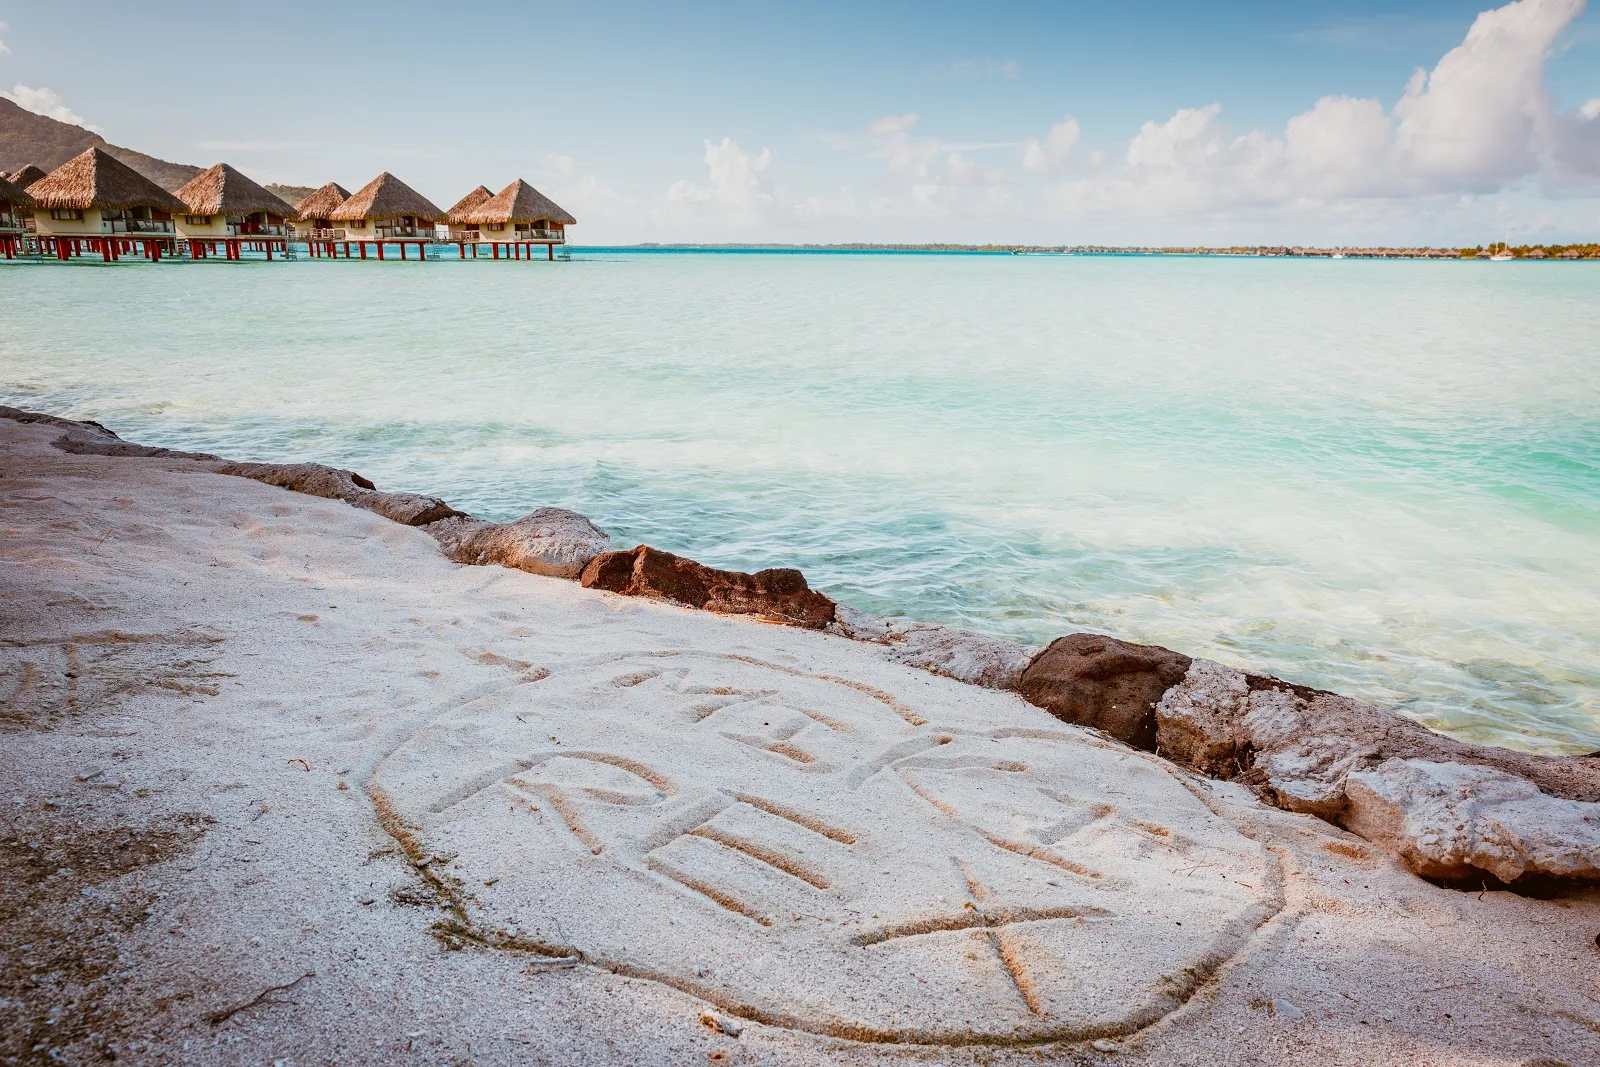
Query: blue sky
1138	122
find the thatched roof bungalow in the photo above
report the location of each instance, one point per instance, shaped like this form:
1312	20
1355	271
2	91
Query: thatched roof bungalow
95	194
311	214
222	203
387	209
26	176
521	213
15	205
457	215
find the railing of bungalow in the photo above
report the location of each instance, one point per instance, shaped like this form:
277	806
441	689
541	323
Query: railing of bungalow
310	234
541	235
136	226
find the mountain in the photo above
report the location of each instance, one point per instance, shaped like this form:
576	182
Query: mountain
167	175
290	194
28	138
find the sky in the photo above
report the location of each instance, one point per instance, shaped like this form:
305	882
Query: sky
1145	122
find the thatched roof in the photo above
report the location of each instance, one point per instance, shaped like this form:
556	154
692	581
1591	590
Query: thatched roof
97	179
26	176
320	204
10	194
519	202
224	191
459	209
385	197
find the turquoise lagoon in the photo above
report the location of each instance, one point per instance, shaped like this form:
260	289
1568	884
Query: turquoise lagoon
1381	478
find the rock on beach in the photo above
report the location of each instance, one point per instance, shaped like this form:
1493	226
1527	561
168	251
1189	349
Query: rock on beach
780	593
1445	808
550	541
1099	681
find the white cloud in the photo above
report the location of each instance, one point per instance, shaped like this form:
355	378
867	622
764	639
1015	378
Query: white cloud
1481	121
1050	154
4	51
1476	120
740	192
1590	110
46	102
923	161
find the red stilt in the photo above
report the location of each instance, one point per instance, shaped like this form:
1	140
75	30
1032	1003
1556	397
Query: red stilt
402	250
268	245
494	246
380	250
550	253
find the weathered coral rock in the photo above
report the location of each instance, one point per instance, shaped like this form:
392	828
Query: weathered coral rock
314	479
945	650
1199	721
1385	777
89	438
550	541
1099	681
779	594
1453	821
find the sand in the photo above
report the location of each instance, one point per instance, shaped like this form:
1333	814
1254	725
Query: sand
281	783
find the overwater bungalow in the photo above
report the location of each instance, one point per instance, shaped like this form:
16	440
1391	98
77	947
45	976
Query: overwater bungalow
95	202
226	209
518	218
386	211
23	177
459	227
15	206
311	223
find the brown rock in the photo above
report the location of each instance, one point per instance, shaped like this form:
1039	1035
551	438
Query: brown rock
1099	681
780	594
314	479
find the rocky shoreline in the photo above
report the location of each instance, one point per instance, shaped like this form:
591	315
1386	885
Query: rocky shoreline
1457	813
283	781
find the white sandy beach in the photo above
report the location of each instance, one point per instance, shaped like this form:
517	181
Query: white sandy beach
283	784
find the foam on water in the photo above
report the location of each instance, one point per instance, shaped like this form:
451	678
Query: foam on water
1377	477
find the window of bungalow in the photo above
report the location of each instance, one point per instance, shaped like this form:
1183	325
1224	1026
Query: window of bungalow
494	227
197	220
160	216
235	220
72	214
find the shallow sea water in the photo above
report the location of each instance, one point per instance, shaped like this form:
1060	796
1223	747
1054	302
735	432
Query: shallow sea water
1381	478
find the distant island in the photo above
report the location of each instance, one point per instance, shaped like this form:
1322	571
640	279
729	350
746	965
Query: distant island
1575	251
